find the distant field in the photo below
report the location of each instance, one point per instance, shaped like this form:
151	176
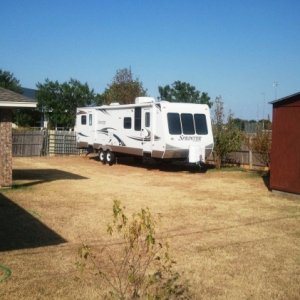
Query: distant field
230	236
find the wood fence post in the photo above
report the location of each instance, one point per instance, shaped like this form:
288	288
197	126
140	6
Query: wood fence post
250	153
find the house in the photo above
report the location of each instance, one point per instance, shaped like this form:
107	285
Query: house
285	151
39	118
30	93
8	101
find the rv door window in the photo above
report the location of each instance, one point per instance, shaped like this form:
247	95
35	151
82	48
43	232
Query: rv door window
201	124
187	124
147	119
137	118
127	123
174	123
90	119
83	120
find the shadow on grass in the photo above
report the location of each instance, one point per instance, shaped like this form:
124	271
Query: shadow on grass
266	179
38	176
161	165
173	234
20	230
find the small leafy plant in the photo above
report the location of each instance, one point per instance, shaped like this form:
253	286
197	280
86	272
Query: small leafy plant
139	267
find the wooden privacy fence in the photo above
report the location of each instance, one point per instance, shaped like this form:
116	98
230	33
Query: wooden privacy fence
245	156
43	142
28	143
57	142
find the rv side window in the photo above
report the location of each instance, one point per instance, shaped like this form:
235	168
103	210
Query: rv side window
137	118
201	124
90	120
127	123
174	123
83	120
187	124
147	119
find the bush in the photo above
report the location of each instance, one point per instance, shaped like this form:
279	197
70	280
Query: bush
227	136
261	146
141	266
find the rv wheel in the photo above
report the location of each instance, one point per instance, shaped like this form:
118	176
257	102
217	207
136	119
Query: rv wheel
102	156
110	157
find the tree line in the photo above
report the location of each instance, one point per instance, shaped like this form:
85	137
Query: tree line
59	100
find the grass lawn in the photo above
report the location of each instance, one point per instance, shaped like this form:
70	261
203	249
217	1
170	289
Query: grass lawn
230	236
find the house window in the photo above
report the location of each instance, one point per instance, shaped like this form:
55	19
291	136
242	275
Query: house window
137	118
127	123
90	120
83	120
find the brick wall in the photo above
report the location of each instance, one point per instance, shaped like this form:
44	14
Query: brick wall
5	147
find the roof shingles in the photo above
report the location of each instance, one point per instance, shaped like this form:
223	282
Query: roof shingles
11	99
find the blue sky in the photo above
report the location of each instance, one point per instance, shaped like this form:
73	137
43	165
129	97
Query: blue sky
235	49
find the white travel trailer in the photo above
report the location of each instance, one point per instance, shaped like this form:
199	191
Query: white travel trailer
160	130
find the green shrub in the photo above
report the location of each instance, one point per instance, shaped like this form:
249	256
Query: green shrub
227	136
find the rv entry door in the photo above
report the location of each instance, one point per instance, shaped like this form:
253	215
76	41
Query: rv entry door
90	127
146	131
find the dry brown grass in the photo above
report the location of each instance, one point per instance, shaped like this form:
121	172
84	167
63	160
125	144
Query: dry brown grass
230	236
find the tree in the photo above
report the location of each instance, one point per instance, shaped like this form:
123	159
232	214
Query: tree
123	89
240	123
59	101
227	135
24	117
183	92
265	124
251	126
8	81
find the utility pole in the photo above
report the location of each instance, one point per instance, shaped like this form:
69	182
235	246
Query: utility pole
263	112
275	85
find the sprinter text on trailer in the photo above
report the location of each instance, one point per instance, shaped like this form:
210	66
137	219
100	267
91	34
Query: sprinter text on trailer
161	130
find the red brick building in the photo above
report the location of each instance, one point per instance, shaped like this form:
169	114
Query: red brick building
285	152
8	101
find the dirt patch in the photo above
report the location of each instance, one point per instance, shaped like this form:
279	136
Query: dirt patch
229	235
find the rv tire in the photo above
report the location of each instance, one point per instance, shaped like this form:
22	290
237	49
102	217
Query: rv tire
110	157
102	156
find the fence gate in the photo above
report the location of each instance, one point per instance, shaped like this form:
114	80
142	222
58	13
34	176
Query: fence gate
62	143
